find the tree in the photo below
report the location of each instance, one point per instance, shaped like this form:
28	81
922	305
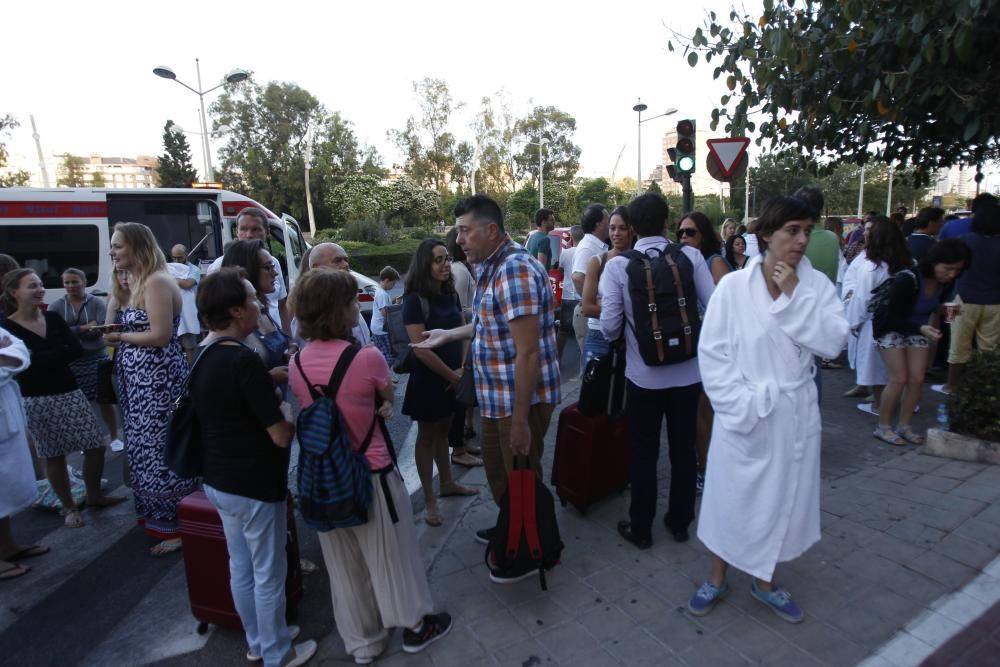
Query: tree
97	180
494	130
71	172
909	83
430	148
19	177
599	191
175	168
655	188
366	197
524	202
562	156
264	156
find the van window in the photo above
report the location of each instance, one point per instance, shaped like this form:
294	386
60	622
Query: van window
173	220
49	249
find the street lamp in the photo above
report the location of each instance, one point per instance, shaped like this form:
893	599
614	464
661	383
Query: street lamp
640	107
236	76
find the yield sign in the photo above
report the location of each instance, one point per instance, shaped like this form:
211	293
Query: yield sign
727	152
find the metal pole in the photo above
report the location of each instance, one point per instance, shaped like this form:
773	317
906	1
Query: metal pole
888	198
746	198
861	192
41	156
209	173
688	194
308	160
638	169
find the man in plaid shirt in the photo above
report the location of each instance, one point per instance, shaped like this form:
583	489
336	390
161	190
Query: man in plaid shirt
514	343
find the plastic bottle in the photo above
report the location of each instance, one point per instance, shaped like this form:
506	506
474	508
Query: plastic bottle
942	416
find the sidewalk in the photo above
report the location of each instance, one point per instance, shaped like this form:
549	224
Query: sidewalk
903	536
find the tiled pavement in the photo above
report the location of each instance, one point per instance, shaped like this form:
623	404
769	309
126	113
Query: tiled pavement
904	534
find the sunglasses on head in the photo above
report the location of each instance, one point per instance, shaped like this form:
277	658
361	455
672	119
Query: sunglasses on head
687	231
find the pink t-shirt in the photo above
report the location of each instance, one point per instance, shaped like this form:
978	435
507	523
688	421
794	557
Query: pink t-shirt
366	376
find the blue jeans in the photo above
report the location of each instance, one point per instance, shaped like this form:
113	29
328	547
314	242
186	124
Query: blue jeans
255	535
594	345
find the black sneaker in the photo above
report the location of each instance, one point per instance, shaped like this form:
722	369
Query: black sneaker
435	626
483	536
625	530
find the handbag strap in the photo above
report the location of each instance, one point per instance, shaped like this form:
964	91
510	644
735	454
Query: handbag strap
201	354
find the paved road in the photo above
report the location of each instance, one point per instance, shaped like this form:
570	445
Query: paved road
908	557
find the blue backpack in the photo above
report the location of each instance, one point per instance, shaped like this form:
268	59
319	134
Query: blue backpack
335	482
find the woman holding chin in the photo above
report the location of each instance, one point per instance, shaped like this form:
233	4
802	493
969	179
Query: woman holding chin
762	331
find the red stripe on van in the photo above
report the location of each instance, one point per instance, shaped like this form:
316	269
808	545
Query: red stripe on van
231	208
50	209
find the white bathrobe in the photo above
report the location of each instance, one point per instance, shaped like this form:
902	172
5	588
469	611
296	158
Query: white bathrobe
861	278
756	354
17	477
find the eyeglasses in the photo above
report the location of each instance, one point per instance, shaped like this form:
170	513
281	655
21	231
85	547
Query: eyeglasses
340	259
687	231
442	259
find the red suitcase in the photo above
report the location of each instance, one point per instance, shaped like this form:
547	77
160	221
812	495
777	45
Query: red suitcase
206	564
591	459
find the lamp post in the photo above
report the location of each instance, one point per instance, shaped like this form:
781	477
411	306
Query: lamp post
203	137
236	76
640	107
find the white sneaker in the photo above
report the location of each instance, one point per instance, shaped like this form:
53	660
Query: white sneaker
941	389
117	445
293	632
301	653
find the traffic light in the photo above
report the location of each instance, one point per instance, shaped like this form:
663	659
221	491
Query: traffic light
683	155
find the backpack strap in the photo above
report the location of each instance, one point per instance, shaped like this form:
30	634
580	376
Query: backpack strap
201	353
654	320
682	303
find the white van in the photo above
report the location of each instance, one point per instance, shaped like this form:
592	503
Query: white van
50	230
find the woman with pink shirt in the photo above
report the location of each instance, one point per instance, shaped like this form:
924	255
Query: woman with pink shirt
377	578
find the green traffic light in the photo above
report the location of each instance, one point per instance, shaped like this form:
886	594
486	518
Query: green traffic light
685	164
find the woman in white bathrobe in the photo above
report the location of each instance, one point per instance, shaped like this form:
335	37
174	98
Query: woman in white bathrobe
17	477
763	328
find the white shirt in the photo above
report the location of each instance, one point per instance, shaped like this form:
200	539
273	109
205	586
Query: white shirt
189	309
589	246
616	307
753	248
382	300
566	262
279	293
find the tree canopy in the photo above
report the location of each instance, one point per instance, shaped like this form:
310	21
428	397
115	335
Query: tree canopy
175	168
911	83
20	177
561	158
71	171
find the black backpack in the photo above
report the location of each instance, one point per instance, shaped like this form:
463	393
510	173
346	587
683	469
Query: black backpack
395	329
664	305
526	536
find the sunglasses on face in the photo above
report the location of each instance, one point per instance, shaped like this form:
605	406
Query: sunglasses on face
442	259
688	231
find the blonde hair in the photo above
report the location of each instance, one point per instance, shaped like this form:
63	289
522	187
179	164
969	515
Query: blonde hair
120	294
149	258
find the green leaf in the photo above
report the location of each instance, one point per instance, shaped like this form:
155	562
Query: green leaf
670	46
693	58
918	23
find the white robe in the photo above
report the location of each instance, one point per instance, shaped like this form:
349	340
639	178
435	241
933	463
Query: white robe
756	354
17	477
861	278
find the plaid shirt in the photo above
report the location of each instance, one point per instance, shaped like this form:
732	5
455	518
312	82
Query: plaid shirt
511	284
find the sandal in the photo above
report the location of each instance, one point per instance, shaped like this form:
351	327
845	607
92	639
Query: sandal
166	547
432	516
907	434
887	435
473	449
73	519
13	571
458	490
467	460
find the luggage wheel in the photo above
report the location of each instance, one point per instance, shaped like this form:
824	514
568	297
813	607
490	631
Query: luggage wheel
202	628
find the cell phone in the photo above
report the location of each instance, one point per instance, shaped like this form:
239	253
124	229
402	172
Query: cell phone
106	328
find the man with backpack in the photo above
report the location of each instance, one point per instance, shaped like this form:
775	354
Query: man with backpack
651	295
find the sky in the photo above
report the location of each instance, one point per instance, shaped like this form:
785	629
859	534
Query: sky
84	70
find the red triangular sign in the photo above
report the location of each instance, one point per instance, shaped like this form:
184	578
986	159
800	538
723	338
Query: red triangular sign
727	152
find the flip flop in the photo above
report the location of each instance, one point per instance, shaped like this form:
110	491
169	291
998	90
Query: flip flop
107	501
165	547
29	552
911	437
13	571
887	435
459	490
